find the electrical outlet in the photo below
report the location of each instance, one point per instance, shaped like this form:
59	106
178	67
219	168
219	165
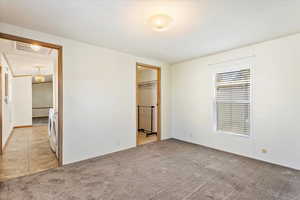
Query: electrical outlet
264	151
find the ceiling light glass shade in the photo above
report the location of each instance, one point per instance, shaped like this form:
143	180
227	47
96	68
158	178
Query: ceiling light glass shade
39	78
160	22
35	47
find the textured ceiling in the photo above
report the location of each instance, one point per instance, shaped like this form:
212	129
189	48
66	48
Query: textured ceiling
201	26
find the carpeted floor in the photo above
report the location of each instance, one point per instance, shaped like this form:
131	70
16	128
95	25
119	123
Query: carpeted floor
168	169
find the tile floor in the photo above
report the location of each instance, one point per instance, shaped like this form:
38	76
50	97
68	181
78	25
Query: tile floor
27	151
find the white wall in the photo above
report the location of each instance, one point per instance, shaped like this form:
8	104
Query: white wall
99	92
22	101
7	117
276	100
90	117
42	96
55	80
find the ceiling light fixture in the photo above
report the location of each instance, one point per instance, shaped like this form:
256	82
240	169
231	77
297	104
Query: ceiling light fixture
39	78
160	22
35	47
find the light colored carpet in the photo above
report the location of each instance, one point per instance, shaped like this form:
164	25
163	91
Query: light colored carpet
168	169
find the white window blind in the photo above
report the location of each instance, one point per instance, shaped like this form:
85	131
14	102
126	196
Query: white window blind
233	101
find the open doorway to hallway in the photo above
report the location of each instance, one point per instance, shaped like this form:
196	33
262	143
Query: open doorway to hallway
30	101
148	103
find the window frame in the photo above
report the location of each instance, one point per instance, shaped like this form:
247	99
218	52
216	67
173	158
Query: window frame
229	67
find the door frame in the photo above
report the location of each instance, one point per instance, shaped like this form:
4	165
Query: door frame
158	70
59	49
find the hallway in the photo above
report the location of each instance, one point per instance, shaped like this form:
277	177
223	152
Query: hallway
28	151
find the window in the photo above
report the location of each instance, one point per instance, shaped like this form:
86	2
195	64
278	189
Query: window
232	100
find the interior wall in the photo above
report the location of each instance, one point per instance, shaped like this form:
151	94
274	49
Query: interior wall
275	101
42	97
22	101
147	96
7	117
99	92
54	54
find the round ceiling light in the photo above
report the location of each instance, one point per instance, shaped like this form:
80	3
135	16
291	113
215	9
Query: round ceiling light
160	22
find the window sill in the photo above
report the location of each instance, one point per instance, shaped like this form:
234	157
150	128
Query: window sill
233	134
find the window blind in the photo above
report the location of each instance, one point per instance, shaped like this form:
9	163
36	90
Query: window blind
233	101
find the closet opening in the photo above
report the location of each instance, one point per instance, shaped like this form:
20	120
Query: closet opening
31	106
148	108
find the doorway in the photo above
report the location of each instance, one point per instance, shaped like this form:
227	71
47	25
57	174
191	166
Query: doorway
31	106
148	106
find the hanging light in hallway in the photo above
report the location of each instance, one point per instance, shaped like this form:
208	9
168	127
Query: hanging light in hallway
39	78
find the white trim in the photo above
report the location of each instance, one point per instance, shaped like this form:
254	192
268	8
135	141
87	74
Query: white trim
228	66
232	133
232	67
